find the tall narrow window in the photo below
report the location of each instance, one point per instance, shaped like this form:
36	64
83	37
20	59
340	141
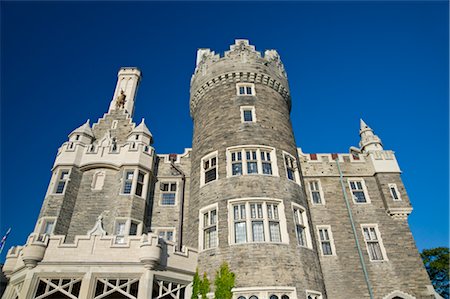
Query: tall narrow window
168	193
326	240
62	181
300	227
357	188
266	163
240	225
289	167
274	222
373	242
248	114
209	168
257	222
236	163
120	231
133	228
314	187
394	192
209	224
128	181
140	183
252	161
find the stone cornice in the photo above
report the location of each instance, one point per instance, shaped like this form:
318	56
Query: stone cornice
234	77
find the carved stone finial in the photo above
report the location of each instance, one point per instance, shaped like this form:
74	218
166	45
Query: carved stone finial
120	101
97	230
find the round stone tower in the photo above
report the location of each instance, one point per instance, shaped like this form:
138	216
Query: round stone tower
247	204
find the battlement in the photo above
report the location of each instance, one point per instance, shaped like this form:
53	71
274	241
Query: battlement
213	69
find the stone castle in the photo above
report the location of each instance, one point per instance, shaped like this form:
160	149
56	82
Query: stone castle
120	220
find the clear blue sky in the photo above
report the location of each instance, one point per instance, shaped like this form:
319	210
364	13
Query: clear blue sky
386	62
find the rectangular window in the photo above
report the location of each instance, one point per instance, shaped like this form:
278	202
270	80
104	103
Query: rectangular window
166	234
300	227
133	228
236	163
248	114
209	169
248	117
168	193
209	226
358	189
373	242
62	181
251	161
140	183
120	232
394	192
128	181
326	240
290	164
256	222
314	188
245	89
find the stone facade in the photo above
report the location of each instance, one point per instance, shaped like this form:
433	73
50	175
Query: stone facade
121	221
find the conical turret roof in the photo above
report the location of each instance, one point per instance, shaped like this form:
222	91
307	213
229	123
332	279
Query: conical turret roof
142	128
83	129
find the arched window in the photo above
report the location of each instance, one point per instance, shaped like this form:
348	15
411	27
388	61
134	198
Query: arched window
285	297
253	297
241	297
273	297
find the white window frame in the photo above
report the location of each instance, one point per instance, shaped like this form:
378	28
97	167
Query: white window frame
42	224
302	222
134	182
265	219
120	239
319	185
315	294
202	228
394	187
258	148
65	179
170	182
209	156
253	112
265	292
245	85
364	189
379	239
296	174
165	230
330	239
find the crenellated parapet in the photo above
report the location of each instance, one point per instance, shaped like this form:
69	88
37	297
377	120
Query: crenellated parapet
212	70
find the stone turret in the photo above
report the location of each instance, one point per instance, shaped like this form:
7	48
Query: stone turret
245	181
369	141
126	90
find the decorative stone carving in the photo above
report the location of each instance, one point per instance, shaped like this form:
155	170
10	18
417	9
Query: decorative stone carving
120	101
150	251
97	230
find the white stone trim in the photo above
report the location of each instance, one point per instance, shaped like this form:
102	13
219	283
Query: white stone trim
265	292
201	228
330	235
158	229
264	200
135	171
247	108
318	295
202	169
380	242
127	222
364	189
399	294
305	222
258	148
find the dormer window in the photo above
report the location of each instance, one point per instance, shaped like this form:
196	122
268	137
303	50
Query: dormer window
245	89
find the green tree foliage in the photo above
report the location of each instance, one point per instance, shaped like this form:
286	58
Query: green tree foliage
196	283
204	286
224	282
436	262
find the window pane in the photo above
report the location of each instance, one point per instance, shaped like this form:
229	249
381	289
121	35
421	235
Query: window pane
275	235
173	187
258	231
375	251
213	217
394	193
359	196
237	169
248	115
168	199
169	236
240	232
290	174
249	90
133	229
301	235
60	187
139	189
326	248
267	168
252	167
316	197
210	175
49	227
241	90
120	228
